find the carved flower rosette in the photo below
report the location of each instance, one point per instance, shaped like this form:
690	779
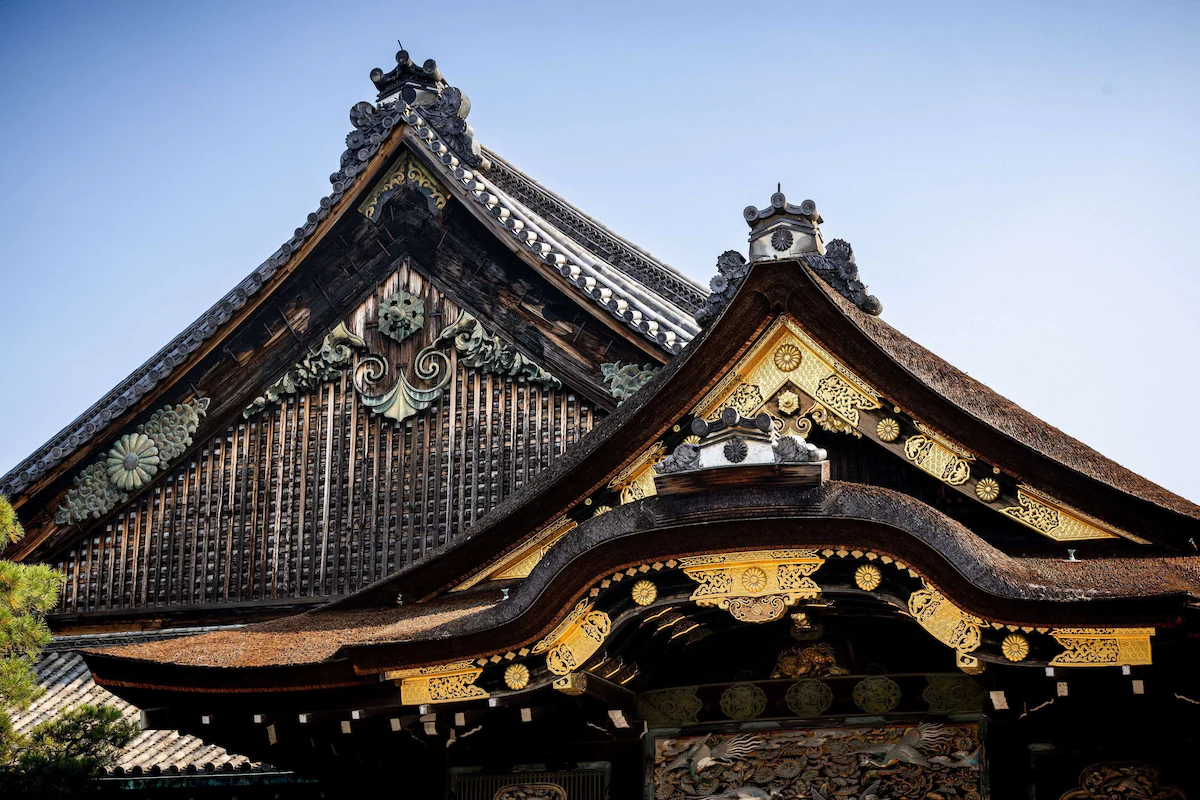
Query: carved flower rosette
132	462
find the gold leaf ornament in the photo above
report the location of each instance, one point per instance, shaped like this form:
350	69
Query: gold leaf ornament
868	577
644	593
787	357
888	430
987	489
1015	647
516	676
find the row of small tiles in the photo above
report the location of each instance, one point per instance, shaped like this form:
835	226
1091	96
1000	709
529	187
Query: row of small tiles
68	683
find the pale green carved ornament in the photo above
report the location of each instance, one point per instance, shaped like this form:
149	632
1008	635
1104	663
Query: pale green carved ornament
134	459
401	315
625	379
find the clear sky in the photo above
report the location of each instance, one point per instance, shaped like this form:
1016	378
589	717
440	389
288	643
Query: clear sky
1019	180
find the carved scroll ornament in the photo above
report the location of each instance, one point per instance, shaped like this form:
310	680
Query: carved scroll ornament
1055	519
574	640
444	683
624	380
476	346
1095	647
755	586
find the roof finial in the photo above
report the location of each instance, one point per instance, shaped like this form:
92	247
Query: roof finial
782	230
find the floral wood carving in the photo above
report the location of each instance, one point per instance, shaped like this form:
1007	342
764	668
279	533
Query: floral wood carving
813	661
891	761
401	315
133	460
671	707
625	379
532	791
1123	781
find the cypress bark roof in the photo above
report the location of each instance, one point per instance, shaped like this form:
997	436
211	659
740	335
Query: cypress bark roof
999	579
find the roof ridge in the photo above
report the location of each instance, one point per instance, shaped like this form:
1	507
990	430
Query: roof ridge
589	232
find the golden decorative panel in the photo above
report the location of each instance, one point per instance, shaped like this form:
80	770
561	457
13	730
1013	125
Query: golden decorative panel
406	170
754	586
938	456
636	482
1094	647
783	354
444	683
1057	520
521	563
574	640
945	621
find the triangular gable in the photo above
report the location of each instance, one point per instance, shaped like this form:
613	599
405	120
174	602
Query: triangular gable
339	271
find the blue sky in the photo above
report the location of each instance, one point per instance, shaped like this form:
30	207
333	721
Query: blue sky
1019	180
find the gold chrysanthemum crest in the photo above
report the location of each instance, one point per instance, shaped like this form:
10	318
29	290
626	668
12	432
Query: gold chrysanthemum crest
987	489
516	676
888	430
787	357
868	577
754	579
644	593
1015	647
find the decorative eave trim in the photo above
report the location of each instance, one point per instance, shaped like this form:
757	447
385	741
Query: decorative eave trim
846	403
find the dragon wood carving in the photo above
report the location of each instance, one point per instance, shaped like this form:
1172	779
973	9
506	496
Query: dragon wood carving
892	761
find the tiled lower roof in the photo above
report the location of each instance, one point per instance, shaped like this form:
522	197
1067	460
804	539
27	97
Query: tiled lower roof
68	683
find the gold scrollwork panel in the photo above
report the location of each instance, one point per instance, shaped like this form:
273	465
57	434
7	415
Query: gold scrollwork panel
528	556
783	354
939	457
1055	519
945	621
1096	647
574	640
636	482
406	170
753	586
444	683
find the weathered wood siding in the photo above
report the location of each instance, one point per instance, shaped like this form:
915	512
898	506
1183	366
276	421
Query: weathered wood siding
315	497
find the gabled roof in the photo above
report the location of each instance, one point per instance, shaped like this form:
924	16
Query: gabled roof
647	294
641	298
367	632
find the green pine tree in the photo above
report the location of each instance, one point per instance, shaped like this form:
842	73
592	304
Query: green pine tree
59	757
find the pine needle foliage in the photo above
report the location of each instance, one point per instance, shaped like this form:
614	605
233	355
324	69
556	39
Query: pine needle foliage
61	756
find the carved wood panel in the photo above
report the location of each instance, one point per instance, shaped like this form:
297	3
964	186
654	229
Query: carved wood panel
314	496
